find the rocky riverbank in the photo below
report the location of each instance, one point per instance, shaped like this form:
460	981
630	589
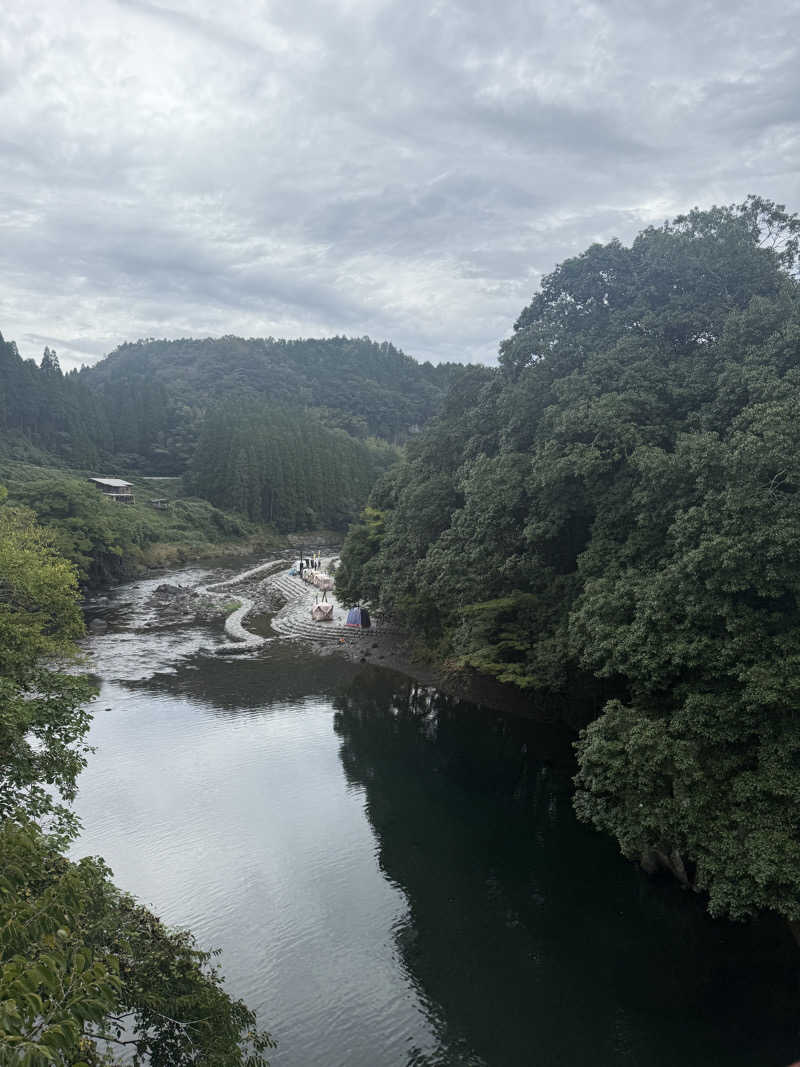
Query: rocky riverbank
181	603
270	590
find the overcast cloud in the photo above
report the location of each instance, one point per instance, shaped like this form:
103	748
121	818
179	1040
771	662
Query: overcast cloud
407	170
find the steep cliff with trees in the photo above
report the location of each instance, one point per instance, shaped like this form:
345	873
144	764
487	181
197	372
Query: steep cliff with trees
616	510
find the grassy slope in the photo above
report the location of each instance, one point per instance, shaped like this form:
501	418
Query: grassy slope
109	541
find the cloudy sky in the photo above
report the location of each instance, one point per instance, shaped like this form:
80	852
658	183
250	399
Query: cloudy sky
402	169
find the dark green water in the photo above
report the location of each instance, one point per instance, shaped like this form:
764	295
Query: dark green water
397	878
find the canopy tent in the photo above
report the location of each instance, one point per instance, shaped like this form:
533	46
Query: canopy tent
322	612
358	617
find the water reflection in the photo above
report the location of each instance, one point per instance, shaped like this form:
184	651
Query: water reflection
467	919
530	941
281	673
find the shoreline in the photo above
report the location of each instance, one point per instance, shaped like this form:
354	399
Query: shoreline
394	650
382	646
163	557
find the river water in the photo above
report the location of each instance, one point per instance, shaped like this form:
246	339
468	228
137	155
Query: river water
396	877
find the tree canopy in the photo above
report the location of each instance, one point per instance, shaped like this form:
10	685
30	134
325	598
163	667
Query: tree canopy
283	467
614	514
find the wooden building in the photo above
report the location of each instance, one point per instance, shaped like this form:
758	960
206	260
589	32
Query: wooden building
115	488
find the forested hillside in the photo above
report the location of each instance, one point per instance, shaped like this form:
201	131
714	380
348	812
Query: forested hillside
367	388
145	404
615	513
107	542
274	466
288	432
47	415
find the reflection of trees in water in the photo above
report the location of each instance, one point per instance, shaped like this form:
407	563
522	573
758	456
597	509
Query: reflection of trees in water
282	674
529	939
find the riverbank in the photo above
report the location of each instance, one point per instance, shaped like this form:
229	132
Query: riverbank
287	601
164	555
399	651
111	542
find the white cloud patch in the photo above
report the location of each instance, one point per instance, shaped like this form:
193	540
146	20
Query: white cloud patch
354	166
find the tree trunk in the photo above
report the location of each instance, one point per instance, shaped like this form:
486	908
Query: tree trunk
654	860
678	869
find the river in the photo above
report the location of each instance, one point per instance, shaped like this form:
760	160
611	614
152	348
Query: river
396	877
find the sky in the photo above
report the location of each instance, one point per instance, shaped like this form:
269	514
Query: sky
407	170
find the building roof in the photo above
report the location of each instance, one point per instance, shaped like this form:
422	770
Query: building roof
114	483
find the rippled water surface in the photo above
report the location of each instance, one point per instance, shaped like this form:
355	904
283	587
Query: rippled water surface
397	878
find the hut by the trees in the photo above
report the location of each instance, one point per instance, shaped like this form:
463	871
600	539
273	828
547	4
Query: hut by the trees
116	489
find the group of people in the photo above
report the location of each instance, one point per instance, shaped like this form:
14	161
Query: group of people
310	570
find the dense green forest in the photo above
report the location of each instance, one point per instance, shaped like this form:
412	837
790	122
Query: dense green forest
145	405
83	963
275	466
290	433
614	515
46	415
358	385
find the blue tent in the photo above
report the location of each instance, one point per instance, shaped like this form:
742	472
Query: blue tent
358	617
